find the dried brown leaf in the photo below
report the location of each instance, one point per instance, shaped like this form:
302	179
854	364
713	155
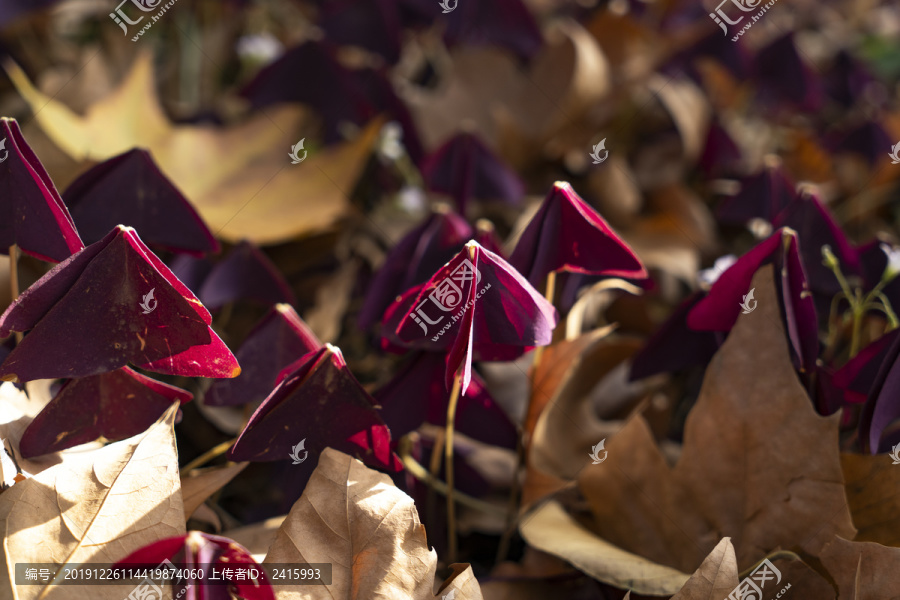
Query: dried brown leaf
871	483
862	570
97	507
199	485
716	577
354	518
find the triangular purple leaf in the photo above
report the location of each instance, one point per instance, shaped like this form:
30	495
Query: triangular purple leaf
32	213
280	338
245	274
567	234
108	305
322	405
129	189
114	405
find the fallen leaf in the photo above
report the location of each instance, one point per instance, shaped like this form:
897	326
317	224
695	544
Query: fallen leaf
257	537
871	483
551	529
199	485
94	509
777	462
355	519
715	578
236	177
861	569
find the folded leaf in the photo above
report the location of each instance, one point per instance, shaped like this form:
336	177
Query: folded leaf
319	404
32	214
114	405
245	274
280	338
129	189
111	304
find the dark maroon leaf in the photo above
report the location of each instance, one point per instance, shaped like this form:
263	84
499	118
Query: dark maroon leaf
721	154
784	77
675	346
465	169
858	374
762	195
108	305
191	271
245	274
476	305
566	234
322	405
280	338
204	552
722	306
32	213
129	189
417	395
847	79
10	10
869	141
114	405
413	260
815	228
731	55
506	23
883	404
373	25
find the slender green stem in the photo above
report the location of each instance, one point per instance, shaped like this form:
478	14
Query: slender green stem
858	313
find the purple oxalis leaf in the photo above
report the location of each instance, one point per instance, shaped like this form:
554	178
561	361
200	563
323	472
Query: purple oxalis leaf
722	306
280	338
32	213
245	274
883	404
868	140
762	195
370	24
114	405
465	169
506	23
129	189
858	374
477	305
847	79
108	305
675	346
321	404
204	552
567	234
413	260
815	228
784	77
417	394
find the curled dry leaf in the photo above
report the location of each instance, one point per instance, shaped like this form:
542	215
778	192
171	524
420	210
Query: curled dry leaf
197	486
96	508
715	578
220	170
355	519
862	569
551	529
871	483
775	466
